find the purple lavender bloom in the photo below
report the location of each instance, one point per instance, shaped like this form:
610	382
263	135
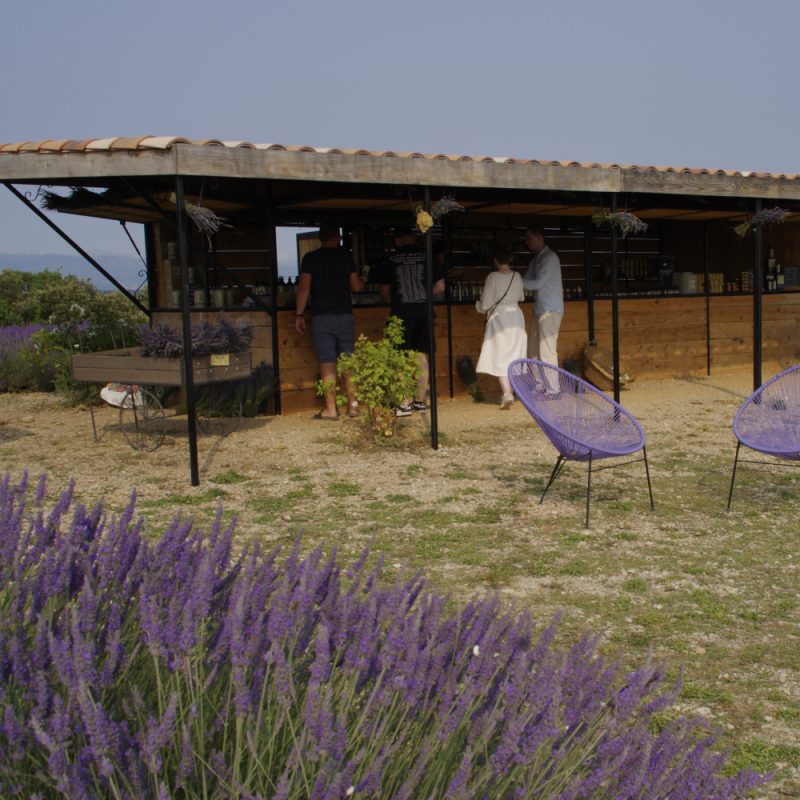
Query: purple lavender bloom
169	666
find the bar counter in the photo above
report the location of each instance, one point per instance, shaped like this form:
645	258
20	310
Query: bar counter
659	337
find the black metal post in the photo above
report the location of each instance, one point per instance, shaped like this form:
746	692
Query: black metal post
758	282
587	265
191	409
614	303
431	332
150	260
273	313
707	291
77	248
446	244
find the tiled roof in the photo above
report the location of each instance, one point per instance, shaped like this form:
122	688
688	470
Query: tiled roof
144	143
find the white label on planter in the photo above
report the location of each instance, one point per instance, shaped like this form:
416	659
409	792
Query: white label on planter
220	359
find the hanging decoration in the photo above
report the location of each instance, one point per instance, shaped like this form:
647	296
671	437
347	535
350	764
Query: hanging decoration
624	221
767	216
425	220
444	206
205	220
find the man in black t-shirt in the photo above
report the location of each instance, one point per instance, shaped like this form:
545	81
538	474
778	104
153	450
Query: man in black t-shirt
327	276
403	285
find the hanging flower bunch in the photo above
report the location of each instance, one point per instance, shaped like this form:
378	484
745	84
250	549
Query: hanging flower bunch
424	220
767	216
205	220
444	206
625	221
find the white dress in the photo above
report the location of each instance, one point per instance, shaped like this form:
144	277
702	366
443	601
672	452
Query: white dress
505	338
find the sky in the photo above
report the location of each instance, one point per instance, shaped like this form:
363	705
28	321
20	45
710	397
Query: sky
700	83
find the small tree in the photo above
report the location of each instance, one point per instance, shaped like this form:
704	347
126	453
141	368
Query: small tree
381	375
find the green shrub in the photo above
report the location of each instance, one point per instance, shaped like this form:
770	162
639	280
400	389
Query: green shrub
78	317
381	375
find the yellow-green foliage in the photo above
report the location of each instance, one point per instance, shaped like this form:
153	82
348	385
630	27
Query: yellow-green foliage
380	374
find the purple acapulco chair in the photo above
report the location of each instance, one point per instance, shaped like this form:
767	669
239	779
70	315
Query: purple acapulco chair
582	423
769	422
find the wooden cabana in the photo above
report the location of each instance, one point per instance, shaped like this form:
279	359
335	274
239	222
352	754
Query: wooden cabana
619	291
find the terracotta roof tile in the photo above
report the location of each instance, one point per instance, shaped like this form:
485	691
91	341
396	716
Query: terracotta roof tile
101	144
53	145
75	146
161	142
31	147
128	144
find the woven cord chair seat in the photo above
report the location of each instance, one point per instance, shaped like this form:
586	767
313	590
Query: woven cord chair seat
769	420
582	423
575	416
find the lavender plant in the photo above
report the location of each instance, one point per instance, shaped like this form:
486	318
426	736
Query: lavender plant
164	341
20	367
175	669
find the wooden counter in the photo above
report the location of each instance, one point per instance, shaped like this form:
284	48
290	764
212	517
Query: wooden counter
659	337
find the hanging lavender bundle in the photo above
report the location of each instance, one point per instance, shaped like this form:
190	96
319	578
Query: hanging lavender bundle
767	216
625	221
204	219
444	206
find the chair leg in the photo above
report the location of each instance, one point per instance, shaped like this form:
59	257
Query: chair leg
647	472
733	474
588	490
553	475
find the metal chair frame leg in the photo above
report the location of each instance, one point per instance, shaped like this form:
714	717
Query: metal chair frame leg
649	485
733	474
588	490
553	475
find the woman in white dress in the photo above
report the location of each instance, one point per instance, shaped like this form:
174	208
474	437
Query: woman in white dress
505	338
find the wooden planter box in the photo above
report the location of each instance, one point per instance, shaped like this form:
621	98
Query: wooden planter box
125	365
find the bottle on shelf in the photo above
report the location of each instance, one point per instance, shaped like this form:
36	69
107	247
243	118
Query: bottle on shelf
779	277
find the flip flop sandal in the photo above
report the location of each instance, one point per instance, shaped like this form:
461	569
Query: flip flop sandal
319	415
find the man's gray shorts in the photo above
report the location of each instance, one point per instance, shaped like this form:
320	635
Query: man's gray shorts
332	335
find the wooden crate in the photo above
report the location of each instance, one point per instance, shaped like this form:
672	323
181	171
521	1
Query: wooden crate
125	365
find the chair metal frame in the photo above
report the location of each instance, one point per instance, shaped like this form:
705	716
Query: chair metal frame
777	404
572	447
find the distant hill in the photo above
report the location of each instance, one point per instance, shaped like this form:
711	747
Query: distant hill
124	268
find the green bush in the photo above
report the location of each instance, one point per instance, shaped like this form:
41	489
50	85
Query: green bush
381	375
79	317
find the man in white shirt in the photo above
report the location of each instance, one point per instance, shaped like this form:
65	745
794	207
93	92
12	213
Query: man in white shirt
544	277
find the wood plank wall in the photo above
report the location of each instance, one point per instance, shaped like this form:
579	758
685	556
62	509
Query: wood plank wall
659	337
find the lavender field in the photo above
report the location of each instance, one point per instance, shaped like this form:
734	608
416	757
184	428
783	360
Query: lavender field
177	667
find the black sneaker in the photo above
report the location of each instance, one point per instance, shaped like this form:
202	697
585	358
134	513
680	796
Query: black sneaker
403	411
419	405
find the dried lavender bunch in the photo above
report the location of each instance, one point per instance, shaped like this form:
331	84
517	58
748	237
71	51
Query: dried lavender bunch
205	220
163	341
444	206
160	341
767	216
625	221
142	668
